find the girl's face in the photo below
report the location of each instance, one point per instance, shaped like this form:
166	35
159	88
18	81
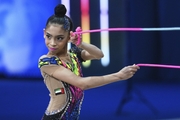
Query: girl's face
56	39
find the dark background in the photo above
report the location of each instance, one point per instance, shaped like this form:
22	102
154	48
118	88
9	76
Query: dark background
153	93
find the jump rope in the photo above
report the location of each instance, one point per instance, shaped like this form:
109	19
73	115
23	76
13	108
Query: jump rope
79	32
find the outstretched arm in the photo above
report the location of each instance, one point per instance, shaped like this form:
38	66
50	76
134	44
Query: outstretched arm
63	74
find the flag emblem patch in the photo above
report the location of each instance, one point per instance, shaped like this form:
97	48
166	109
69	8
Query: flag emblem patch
59	91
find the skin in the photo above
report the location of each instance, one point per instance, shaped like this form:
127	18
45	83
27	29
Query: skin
56	39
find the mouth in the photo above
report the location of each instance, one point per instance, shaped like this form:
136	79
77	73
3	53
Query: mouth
52	49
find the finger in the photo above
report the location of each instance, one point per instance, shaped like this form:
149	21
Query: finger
136	66
71	33
134	70
74	37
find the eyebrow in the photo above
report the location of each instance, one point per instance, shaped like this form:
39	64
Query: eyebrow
55	36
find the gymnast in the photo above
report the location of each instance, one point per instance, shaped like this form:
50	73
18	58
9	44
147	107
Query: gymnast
61	68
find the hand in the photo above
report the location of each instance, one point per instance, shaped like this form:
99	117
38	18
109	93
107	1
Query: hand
76	38
127	72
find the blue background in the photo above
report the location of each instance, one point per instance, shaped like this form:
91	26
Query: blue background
22	23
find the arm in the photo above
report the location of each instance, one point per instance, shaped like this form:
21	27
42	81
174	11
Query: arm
89	51
84	83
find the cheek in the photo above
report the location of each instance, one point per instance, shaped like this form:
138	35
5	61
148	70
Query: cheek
67	38
46	41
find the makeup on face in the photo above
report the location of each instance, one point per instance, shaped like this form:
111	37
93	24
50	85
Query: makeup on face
56	37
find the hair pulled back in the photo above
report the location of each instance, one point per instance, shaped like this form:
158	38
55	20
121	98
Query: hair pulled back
60	18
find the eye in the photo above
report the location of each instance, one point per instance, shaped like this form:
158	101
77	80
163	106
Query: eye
60	38
48	36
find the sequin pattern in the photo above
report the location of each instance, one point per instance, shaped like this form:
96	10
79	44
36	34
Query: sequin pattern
74	94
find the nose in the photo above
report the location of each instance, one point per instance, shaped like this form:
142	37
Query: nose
53	43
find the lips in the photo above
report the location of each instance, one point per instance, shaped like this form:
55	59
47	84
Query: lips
52	49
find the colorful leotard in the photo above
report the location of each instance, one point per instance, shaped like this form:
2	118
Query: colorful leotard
74	95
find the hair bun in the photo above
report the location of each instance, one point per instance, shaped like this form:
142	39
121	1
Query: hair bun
60	10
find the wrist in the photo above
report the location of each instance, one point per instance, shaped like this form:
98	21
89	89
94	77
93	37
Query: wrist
79	45
119	76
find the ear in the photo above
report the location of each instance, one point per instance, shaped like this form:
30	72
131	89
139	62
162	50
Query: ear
44	33
69	39
70	35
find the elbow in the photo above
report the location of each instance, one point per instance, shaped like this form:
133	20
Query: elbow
81	83
101	55
83	86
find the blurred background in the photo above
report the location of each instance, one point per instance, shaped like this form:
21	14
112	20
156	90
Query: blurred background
153	93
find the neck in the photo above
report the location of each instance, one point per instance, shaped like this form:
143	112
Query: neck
63	53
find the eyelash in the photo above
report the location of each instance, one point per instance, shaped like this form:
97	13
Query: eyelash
58	38
48	36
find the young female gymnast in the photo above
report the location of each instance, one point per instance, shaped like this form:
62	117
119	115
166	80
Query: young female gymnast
61	68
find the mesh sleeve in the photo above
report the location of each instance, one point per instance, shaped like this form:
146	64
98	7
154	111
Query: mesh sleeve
77	51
